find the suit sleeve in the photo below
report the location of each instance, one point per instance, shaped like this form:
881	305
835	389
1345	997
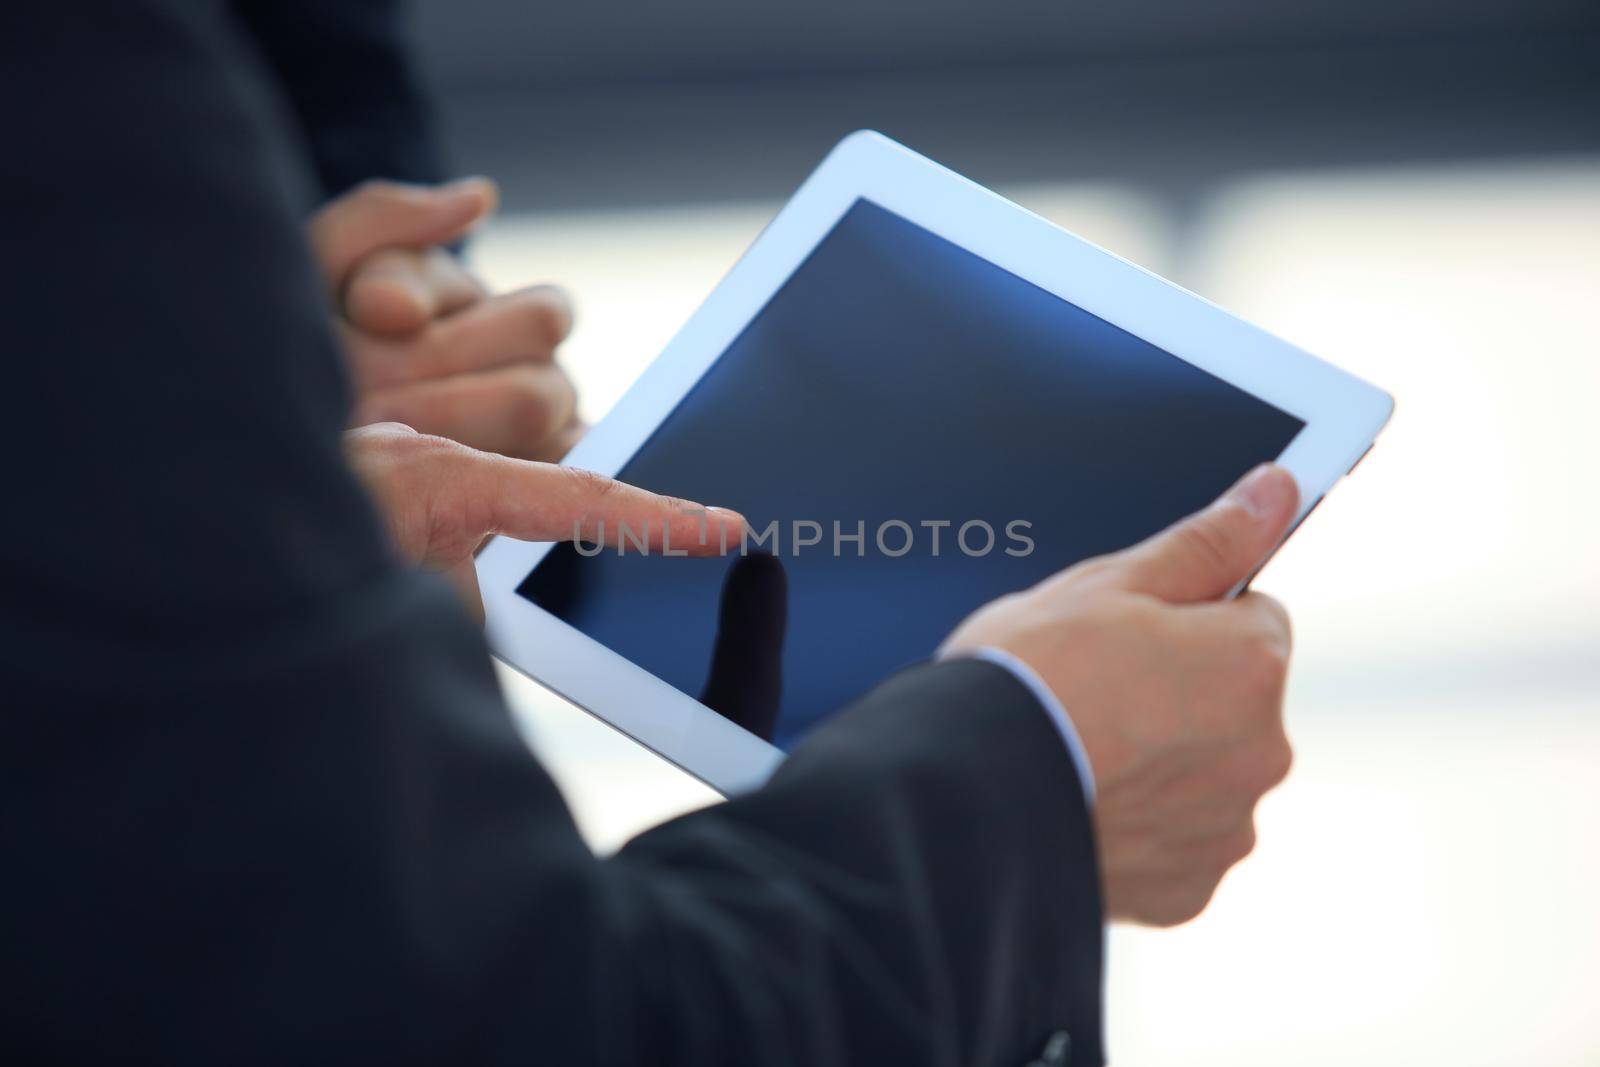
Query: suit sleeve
263	800
355	92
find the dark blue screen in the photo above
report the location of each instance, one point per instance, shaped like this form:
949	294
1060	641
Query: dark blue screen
896	376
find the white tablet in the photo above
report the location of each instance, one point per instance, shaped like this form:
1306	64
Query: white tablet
921	396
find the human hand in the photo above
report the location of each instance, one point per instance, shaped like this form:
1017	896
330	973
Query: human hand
1176	693
441	499
427	345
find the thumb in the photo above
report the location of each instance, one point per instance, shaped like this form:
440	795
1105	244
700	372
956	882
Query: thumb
1206	555
384	214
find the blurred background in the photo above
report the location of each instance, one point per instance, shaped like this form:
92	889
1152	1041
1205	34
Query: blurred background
1409	188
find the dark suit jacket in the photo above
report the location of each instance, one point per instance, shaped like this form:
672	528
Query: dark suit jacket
346	72
262	799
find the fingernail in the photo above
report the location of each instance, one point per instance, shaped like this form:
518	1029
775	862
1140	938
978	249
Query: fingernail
1262	492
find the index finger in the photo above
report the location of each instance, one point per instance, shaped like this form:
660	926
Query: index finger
544	502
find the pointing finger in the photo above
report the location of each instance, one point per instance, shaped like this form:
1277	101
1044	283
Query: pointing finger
543	502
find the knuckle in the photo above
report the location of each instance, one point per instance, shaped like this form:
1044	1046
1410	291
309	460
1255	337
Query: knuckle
553	309
532	311
532	406
388	433
405	444
540	399
1266	666
390	439
590	483
467	525
1237	845
1278	613
439	449
1181	903
1278	760
539	318
1275	626
1261	766
1209	544
1273	657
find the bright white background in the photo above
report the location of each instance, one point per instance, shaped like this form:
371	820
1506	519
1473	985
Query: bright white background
1427	884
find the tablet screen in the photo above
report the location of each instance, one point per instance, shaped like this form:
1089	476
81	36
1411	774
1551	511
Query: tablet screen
911	431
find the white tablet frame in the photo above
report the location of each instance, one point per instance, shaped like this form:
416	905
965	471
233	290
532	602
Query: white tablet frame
1342	413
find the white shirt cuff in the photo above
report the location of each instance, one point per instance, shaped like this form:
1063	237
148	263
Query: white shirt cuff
1052	707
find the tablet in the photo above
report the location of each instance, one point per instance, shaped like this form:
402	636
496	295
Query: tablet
921	397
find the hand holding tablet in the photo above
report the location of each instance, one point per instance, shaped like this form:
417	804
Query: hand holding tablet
921	397
1175	693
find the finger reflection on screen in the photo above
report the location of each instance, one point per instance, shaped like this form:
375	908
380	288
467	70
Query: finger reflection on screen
745	681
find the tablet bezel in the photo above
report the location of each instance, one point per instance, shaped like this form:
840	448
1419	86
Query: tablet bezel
1342	413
